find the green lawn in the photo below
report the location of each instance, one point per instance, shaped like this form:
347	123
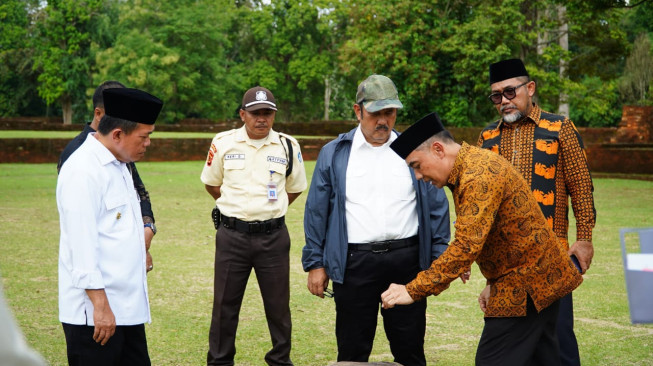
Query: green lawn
28	134
181	283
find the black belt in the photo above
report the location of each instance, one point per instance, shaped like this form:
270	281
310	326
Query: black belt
252	227
385	246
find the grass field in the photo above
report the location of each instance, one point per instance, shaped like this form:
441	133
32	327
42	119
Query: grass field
27	134
181	283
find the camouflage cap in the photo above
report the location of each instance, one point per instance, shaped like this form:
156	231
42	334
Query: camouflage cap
378	92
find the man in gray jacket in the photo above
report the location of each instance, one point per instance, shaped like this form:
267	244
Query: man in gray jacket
368	223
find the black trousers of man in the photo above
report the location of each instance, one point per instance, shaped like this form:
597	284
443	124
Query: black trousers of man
517	341
236	254
128	346
569	355
358	299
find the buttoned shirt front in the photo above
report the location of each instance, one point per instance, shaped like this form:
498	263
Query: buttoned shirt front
102	243
500	226
243	168
548	151
380	197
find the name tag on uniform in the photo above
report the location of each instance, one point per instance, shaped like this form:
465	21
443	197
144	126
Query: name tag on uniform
274	159
234	157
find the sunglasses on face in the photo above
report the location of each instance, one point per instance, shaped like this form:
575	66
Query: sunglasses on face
509	93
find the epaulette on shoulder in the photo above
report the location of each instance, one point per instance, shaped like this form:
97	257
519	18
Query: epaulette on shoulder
292	139
222	134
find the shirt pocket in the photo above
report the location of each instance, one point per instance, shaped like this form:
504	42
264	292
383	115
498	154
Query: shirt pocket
235	174
278	171
401	183
357	189
234	164
118	213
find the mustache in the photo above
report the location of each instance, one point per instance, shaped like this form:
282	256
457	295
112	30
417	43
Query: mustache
508	106
381	127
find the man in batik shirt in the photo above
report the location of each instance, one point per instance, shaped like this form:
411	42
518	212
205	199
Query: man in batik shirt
548	151
498	226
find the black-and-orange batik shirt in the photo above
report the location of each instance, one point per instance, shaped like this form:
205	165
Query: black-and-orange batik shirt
499	225
548	151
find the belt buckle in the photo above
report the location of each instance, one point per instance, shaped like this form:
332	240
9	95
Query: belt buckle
384	247
254	227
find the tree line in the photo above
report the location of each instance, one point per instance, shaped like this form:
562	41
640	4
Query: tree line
587	57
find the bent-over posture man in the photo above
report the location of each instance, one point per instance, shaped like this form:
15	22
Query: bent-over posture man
500	226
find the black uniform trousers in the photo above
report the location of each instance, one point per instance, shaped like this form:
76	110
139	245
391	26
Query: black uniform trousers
236	253
517	341
358	299
569	355
128	346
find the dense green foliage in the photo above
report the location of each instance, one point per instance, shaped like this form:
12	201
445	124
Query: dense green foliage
199	56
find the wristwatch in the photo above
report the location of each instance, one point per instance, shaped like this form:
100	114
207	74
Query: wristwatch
151	226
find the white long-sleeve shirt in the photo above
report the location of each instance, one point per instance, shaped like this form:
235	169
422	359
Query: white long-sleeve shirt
381	203
102	243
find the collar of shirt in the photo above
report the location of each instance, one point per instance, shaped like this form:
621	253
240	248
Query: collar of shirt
272	138
359	140
533	117
104	155
454	176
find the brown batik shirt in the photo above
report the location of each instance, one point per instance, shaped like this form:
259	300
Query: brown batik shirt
500	226
548	151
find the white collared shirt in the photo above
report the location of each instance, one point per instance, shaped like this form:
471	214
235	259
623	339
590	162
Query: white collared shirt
102	243
380	198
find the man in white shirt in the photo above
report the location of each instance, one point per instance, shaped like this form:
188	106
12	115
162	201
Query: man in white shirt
368	221
103	301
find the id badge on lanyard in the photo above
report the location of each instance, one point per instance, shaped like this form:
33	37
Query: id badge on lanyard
272	189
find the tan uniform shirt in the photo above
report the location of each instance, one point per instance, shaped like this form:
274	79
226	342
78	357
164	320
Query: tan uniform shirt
243	167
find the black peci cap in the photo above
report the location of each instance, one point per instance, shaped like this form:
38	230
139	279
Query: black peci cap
416	134
132	105
507	69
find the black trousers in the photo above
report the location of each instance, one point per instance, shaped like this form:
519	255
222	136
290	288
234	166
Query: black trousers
128	346
358	300
569	355
236	253
516	341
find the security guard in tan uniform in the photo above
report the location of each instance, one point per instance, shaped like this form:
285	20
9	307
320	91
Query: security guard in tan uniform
253	173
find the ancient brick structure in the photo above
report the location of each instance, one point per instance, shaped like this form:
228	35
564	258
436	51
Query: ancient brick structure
636	125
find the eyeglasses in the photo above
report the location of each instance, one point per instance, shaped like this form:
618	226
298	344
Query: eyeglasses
509	93
328	292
